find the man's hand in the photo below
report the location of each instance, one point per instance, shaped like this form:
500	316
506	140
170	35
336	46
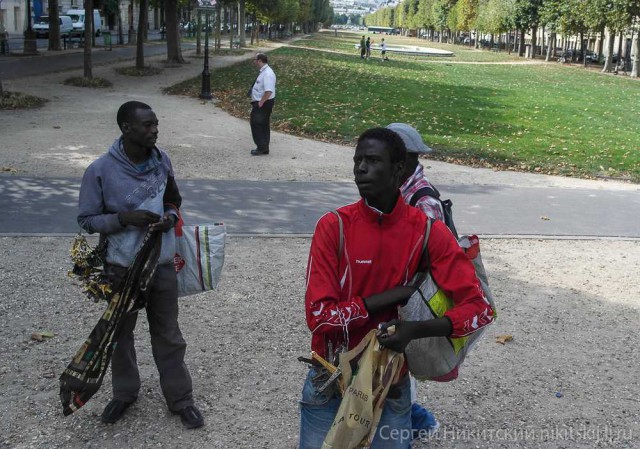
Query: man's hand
139	218
395	334
167	222
265	97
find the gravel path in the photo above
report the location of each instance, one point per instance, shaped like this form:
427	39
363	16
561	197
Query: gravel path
574	333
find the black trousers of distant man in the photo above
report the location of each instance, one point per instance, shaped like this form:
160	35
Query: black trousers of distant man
260	122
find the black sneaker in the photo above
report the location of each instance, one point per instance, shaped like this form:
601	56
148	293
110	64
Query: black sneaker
191	417
114	411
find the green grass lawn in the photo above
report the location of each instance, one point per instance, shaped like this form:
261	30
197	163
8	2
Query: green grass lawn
546	118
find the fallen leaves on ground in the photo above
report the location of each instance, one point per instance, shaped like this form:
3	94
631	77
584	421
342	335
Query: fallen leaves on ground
42	336
502	339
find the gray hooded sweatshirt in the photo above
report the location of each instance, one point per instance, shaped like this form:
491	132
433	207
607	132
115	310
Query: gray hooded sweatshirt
111	184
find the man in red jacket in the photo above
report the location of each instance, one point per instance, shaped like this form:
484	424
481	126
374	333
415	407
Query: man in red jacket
353	289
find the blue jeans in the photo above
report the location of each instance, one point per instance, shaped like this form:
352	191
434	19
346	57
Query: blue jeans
317	411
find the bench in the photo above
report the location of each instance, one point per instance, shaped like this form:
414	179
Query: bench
72	39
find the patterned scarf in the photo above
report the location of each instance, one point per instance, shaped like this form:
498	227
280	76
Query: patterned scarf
83	376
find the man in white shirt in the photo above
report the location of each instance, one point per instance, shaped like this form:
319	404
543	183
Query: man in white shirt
263	94
383	50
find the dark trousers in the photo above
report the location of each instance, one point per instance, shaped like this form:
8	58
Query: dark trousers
167	345
259	121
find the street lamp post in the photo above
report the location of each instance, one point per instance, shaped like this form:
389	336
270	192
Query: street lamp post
205	91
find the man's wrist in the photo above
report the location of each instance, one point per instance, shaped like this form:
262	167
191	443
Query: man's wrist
120	220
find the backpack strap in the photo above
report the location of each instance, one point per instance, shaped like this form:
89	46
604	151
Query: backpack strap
425	191
341	230
424	258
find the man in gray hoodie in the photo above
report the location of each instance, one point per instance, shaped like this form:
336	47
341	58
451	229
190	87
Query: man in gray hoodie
124	193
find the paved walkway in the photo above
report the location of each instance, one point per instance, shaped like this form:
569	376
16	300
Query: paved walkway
45	206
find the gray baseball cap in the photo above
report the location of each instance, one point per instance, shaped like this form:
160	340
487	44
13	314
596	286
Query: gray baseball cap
411	137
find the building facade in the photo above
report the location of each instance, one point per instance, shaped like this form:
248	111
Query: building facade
13	14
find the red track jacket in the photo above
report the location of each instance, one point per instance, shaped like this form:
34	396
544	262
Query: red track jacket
382	251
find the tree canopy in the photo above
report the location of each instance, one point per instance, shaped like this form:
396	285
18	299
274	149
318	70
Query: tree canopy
498	16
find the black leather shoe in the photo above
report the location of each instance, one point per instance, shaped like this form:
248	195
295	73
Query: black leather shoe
191	417
257	152
114	411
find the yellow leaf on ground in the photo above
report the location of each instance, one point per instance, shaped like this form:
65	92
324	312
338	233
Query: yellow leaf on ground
41	336
502	339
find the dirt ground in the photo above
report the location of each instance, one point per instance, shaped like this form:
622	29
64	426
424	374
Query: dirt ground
568	378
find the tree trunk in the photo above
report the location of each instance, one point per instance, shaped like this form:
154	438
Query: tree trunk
601	45
636	57
608	66
199	33
534	36
119	20
241	23
231	23
1	90
216	27
620	59
253	28
174	52
551	43
142	26
521	43
54	26
88	32
130	36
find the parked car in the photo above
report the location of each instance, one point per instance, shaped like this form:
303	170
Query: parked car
78	18
592	57
42	27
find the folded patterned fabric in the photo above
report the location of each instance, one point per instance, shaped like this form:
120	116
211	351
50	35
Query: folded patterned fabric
83	376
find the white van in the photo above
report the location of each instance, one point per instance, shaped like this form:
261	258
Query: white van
78	15
41	28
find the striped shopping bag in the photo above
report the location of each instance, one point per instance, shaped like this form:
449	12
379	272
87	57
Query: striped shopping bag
199	257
